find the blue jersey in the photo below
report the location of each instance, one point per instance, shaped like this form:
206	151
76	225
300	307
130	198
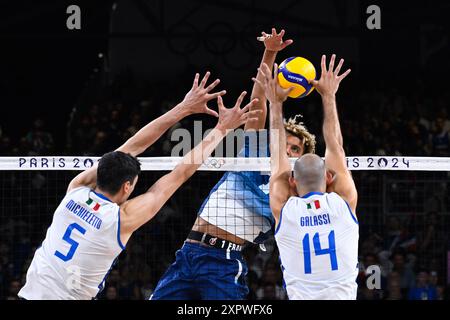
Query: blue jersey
239	202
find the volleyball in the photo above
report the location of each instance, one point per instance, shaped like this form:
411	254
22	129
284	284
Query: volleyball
297	72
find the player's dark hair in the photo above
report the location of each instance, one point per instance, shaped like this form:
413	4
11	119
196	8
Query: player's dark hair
114	169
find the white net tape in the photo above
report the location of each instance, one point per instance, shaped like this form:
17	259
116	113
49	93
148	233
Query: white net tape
224	164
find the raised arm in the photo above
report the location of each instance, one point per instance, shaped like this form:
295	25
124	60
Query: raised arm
137	211
335	160
279	162
273	44
195	101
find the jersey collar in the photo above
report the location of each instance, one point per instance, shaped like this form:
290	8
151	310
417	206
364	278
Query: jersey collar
101	196
311	194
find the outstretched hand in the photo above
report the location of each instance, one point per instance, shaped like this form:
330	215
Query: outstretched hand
329	81
197	98
274	93
232	118
274	41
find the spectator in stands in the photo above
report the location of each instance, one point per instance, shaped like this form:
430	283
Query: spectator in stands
393	234
442	114
114	278
5	146
135	125
394	290
433	240
440	289
271	283
111	293
441	139
126	286
39	140
14	288
3	281
407	277
253	284
100	144
367	267
422	290
84	134
143	287
416	140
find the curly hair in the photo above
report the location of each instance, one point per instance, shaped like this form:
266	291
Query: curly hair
299	130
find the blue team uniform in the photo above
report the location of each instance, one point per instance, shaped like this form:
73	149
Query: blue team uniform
238	204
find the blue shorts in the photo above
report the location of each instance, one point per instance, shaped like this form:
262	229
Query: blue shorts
203	273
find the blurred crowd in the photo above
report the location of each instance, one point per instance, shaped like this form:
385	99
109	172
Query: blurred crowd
411	257
375	122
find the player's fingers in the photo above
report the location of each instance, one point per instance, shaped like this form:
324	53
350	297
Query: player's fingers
266	71
220	102
243	119
323	64
216	94
331	66
281	34
288	90
342	76
195	83
249	105
253	114
314	82
245	109
248	117
239	99
287	43
258	82
274	32
211	112
338	68
263	80
213	85
205	78
264	76
275	70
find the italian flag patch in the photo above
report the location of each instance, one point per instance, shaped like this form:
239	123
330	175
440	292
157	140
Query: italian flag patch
316	205
92	204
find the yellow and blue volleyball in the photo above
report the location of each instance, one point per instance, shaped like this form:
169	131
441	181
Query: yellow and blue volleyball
297	72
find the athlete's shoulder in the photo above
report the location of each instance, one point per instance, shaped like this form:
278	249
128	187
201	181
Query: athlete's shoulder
293	200
78	189
339	203
334	196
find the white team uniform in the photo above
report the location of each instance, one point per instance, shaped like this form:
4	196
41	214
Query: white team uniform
80	247
317	237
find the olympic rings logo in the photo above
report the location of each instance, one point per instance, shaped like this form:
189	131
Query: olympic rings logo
214	163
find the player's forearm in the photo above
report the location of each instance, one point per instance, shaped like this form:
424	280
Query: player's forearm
279	160
146	136
194	159
141	209
258	92
331	127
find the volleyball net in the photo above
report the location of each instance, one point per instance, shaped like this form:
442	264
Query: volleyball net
403	208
